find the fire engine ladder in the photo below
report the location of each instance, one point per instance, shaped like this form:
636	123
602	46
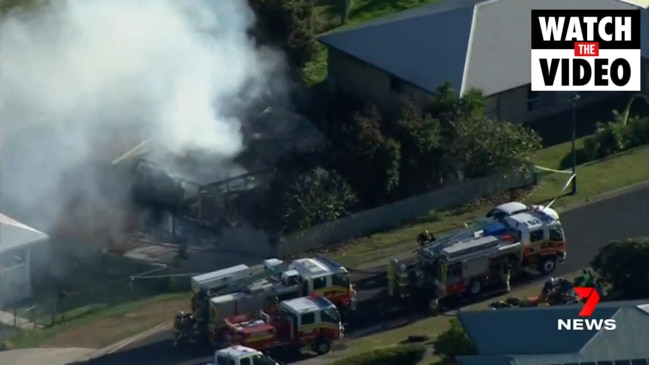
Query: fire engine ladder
243	284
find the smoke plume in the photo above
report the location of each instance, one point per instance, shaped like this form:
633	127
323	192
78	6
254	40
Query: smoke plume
82	81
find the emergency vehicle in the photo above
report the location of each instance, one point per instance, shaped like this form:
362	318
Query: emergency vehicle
311	321
241	289
275	278
472	259
241	355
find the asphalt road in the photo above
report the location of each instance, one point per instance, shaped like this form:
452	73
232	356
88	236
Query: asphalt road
588	228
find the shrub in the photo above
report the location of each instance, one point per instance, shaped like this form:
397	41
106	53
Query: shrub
611	138
409	354
582	157
454	342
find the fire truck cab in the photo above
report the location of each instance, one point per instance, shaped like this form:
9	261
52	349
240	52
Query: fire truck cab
542	239
311	321
324	277
241	355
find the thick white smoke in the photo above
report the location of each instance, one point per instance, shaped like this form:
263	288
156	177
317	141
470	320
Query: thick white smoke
84	80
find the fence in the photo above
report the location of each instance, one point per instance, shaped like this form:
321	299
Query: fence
60	309
95	282
392	215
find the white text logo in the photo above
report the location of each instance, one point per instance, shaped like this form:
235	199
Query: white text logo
586	324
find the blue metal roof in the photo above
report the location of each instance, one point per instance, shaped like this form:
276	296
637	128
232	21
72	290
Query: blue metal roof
425	46
527	330
469	43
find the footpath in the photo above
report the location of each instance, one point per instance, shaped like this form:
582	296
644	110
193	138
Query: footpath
43	356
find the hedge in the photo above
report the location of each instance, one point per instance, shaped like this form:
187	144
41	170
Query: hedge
611	138
409	354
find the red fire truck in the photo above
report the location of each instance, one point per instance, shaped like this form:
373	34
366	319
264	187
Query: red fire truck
312	322
473	259
530	241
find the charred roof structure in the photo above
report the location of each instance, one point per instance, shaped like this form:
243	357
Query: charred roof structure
210	189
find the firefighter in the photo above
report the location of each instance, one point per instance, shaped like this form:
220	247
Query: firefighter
507	273
425	237
403	280
547	287
272	305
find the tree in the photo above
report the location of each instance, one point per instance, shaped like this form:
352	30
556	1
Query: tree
368	158
622	266
446	105
313	197
482	146
288	25
420	138
454	342
341	8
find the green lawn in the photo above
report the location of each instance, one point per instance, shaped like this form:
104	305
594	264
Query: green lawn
361	11
101	325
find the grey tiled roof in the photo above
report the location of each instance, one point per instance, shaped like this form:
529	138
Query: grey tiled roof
481	44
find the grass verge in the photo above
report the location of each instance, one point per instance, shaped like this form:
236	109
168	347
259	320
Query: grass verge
594	178
101	327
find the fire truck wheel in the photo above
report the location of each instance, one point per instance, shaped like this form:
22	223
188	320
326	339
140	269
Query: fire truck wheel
475	287
547	265
322	346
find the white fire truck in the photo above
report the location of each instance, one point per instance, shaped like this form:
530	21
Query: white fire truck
472	259
241	355
311	321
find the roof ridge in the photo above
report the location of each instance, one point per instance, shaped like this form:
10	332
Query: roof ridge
469	46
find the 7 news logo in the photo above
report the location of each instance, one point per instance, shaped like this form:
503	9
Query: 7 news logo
586	50
587	324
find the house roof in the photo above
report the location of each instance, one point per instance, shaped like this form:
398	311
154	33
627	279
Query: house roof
14	234
483	44
528	336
